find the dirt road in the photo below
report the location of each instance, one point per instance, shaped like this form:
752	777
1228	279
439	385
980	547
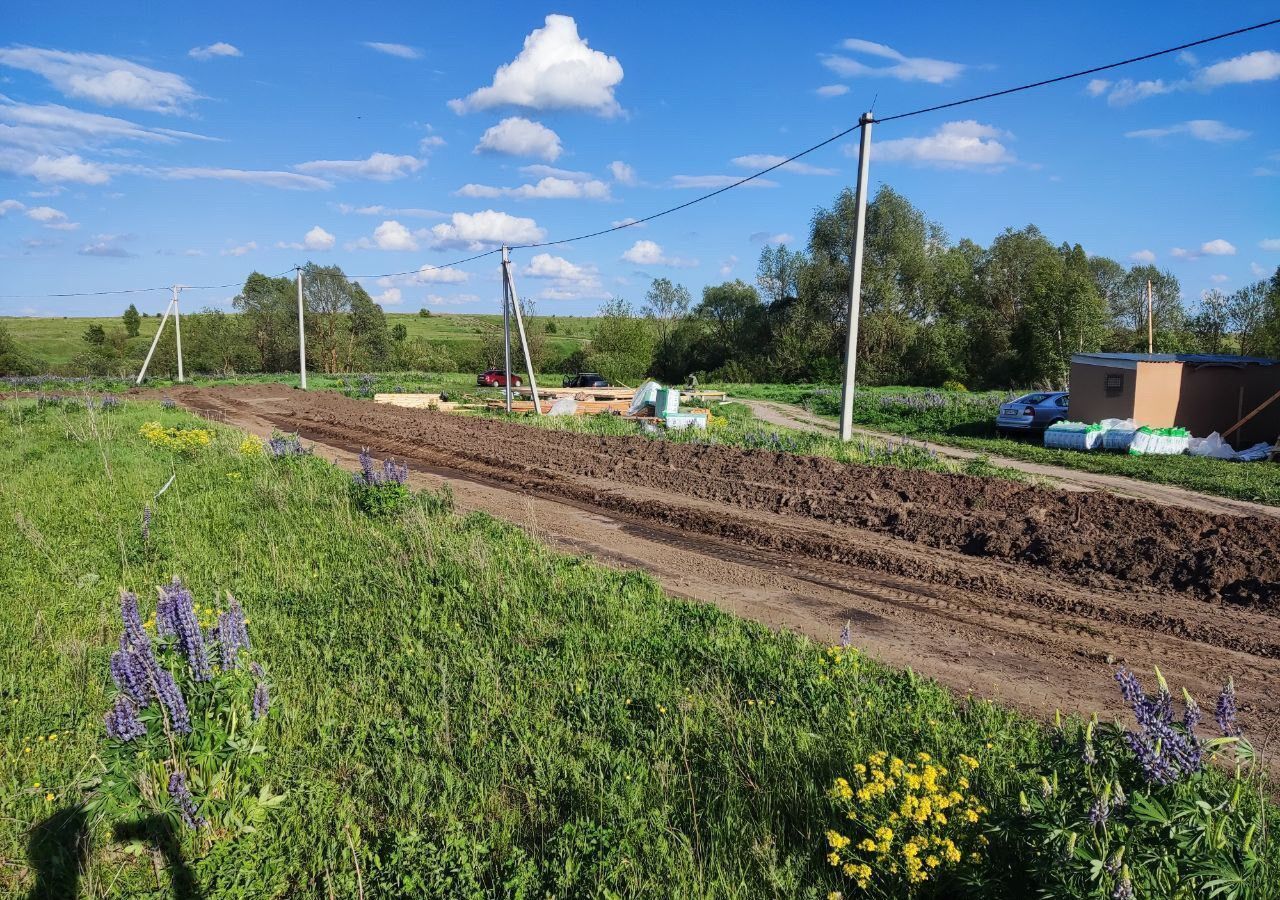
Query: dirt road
1023	594
787	415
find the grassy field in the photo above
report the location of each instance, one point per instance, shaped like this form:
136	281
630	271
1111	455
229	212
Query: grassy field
968	420
57	341
459	712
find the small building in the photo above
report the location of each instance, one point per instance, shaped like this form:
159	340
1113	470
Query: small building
1197	391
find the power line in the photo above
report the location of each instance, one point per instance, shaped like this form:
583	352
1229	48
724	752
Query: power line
1080	74
728	187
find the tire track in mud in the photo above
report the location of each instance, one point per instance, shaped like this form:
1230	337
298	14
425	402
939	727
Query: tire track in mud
992	621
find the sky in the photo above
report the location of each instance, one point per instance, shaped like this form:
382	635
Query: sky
145	145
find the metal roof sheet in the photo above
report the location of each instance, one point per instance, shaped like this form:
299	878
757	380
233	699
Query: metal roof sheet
1198	359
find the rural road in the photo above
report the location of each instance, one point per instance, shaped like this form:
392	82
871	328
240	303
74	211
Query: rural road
1023	594
786	415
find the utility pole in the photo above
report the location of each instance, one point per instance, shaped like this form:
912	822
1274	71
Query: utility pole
855	280
142	373
302	335
524	341
506	331
1151	342
177	329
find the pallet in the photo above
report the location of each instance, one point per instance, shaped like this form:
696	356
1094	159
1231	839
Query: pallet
585	407
417	401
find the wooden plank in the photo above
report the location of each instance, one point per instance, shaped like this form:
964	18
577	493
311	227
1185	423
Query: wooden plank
1257	409
609	393
417	401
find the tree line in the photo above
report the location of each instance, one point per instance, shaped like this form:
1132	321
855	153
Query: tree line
933	311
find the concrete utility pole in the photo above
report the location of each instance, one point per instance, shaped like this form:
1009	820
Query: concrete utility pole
506	331
1151	344
177	329
855	280
524	341
142	373
302	335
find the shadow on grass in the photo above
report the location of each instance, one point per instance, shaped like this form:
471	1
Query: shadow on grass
58	849
157	831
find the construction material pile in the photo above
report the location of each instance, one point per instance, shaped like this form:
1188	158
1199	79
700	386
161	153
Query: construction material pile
1126	436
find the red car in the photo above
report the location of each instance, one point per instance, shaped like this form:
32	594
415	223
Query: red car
496	378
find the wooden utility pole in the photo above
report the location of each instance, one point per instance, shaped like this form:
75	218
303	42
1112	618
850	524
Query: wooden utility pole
1150	328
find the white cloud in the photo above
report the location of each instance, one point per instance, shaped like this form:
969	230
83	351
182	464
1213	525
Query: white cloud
403	51
1218	247
1146	257
378	167
548	188
765	160
966	144
544	265
390	235
478	231
290	181
1219	279
629	220
241	249
51	218
51	127
315	239
903	68
402	212
538	170
1257	270
389	297
516	136
456	300
622	172
220	48
1261	65
8	206
1201	129
430	142
1126	91
66	168
439	275
649	253
105	80
1270	244
717	181
832	90
727	266
765	237
107	245
1097	87
1182	253
555	70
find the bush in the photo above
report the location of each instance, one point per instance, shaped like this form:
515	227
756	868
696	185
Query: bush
954	386
380	494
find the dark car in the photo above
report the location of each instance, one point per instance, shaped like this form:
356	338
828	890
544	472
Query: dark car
496	378
585	380
1032	412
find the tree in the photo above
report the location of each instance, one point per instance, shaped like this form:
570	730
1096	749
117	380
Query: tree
622	345
666	303
95	334
778	272
1210	324
424	313
399	332
269	309
12	360
132	321
1129	312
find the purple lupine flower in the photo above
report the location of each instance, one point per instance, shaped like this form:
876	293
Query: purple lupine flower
168	403
282	445
846	636
182	611
133	630
1165	752
1124	887
261	697
1087	756
1100	812
110	402
366	467
231	634
146	522
172	701
181	795
129	672
122	720
1225	712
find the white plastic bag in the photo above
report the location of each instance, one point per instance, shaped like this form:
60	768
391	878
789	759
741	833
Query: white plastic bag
1117	434
646	395
1213	446
565	406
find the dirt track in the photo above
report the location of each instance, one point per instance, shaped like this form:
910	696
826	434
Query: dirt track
1024	594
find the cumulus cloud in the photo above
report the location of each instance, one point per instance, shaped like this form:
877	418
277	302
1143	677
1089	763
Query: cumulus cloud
220	48
538	170
66	168
1182	253
289	181
1270	244
544	265
1218	247
315	239
481	230
765	160
966	144
549	188
517	136
389	297
832	90
1146	257
1126	90
1257	270
766	237
728	265
51	218
555	70
378	167
403	51
241	249
650	253
1260	65
717	181
629	220
901	67
8	206
390	235
107	245
430	142
105	80
622	172
1201	129
1219	279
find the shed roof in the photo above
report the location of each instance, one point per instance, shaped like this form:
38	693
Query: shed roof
1127	360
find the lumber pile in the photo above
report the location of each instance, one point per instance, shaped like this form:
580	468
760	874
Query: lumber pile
588	394
584	408
418	401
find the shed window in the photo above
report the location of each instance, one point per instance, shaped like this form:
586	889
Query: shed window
1113	385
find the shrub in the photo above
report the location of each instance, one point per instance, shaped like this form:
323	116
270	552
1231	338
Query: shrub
178	440
954	386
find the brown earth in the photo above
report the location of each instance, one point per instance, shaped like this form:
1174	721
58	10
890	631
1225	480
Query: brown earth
1025	594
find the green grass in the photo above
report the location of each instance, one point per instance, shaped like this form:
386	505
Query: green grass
968	421
459	712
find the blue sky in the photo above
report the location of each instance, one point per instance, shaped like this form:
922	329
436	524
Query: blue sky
142	146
